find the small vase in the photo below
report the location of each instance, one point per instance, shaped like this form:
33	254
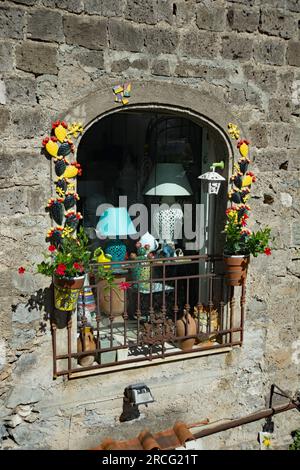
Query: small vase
236	269
86	342
186	326
66	292
142	272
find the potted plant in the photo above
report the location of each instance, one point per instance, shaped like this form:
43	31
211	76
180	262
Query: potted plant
111	285
66	263
240	242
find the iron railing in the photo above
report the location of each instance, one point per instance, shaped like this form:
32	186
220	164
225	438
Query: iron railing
151	309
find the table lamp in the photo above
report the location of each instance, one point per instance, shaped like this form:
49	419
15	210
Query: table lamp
168	180
115	222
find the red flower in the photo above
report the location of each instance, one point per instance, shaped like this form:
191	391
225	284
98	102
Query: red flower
45	141
64	124
21	270
52	248
78	267
244	223
268	251
54	139
55	124
124	285
61	269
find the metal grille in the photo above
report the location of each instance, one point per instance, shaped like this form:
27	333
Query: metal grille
177	307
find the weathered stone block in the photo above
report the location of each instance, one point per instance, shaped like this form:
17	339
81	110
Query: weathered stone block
161	67
237	48
186	69
45	25
93	59
266	79
165	11
140	64
141	11
258	135
243	19
293	5
161	41
6	166
211	17
12	22
278	23
293	53
120	65
269	51
279	109
6	57
199	44
28	122
25	314
106	8
85	31
73	6
125	36
37	58
21	90
4	118
280	135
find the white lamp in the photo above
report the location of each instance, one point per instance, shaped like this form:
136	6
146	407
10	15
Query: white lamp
168	180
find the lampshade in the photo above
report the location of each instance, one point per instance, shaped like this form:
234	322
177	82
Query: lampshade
115	221
168	179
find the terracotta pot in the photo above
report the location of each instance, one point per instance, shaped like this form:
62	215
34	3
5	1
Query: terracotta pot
66	292
236	269
111	299
86	342
186	326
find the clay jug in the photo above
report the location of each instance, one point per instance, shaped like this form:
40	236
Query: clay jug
112	299
86	342
186	326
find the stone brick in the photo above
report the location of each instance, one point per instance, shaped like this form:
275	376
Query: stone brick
45	25
28	122
165	11
242	95
243	19
85	31
37	58
6	57
199	44
141	11
258	135
279	110
266	79
4	118
277	23
210	17
12	22
185	13
21	90
273	159
93	59
237	48
73	6
120	65
285	83
7	166
106	8
269	51
125	36
186	69
282	136
293	53
161	67
161	40
293	5
140	64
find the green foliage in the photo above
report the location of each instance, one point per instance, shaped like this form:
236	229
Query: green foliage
296	444
70	259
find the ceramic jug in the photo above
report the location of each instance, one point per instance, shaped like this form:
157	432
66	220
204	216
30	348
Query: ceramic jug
148	239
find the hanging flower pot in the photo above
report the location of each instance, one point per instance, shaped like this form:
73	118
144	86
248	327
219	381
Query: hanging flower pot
66	292
54	236
70	199
60	166
72	219
56	210
61	185
236	269
65	149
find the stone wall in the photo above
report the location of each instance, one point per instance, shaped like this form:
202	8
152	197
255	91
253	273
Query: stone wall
53	54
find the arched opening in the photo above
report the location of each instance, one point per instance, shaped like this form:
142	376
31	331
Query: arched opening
121	152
